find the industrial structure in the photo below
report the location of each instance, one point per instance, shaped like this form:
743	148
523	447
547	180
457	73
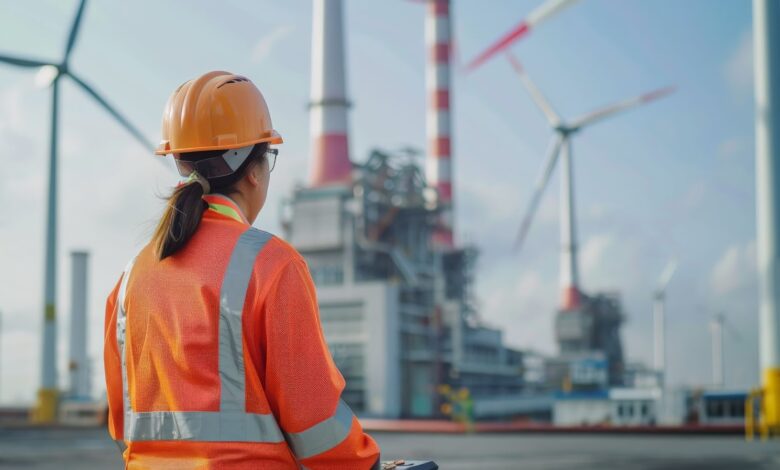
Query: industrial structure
395	293
587	327
396	290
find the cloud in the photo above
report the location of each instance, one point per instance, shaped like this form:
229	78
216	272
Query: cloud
594	251
266	44
739	66
523	305
735	270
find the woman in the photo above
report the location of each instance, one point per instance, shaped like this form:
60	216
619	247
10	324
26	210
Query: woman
214	353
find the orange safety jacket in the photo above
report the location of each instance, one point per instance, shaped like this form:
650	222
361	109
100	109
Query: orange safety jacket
215	358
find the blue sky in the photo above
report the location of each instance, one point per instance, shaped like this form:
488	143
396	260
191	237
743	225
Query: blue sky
674	178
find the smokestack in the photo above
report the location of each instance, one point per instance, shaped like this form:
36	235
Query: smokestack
78	364
328	113
439	166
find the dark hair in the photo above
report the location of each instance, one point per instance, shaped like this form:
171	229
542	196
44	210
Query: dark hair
185	205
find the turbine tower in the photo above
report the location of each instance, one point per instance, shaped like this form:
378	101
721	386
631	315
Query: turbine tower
766	40
716	329
659	321
46	406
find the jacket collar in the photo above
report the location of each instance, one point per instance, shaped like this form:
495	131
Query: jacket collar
225	206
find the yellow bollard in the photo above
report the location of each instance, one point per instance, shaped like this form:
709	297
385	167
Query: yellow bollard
45	411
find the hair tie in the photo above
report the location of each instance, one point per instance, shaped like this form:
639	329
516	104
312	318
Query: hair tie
196	177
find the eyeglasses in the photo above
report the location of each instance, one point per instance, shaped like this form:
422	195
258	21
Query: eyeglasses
271	155
223	165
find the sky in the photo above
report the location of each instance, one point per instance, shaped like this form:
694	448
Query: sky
674	179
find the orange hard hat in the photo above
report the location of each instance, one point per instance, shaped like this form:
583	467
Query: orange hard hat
216	111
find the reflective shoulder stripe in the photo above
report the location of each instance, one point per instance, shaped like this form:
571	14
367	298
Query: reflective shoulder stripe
231	305
232	422
324	435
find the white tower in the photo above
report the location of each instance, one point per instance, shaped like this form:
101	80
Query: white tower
766	37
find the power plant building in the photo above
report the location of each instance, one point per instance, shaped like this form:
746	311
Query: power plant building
397	314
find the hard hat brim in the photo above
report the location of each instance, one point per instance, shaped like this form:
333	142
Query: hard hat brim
165	149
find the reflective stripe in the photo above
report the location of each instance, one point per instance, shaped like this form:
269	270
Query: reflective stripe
212	426
324	435
121	327
231	422
231	305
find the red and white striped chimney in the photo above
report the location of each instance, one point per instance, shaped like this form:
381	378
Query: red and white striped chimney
439	161
329	105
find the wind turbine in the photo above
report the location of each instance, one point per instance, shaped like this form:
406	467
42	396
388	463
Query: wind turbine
51	73
561	145
659	320
718	323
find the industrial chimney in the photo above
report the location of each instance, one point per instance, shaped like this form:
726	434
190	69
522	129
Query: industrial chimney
78	365
439	166
328	107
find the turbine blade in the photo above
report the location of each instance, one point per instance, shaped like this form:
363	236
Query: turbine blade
541	184
124	122
22	62
539	15
624	105
731	329
536	95
666	276
74	30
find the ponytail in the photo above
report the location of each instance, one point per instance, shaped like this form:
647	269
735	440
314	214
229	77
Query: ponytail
180	219
186	205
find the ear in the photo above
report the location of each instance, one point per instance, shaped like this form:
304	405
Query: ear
254	175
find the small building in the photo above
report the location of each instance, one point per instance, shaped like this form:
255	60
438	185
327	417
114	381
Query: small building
634	406
585	408
614	407
722	407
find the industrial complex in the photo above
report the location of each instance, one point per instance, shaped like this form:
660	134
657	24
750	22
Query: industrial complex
396	287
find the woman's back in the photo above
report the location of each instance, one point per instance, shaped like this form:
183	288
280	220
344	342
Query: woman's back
225	363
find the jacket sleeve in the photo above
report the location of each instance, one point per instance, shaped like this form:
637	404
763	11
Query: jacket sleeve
112	361
303	385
